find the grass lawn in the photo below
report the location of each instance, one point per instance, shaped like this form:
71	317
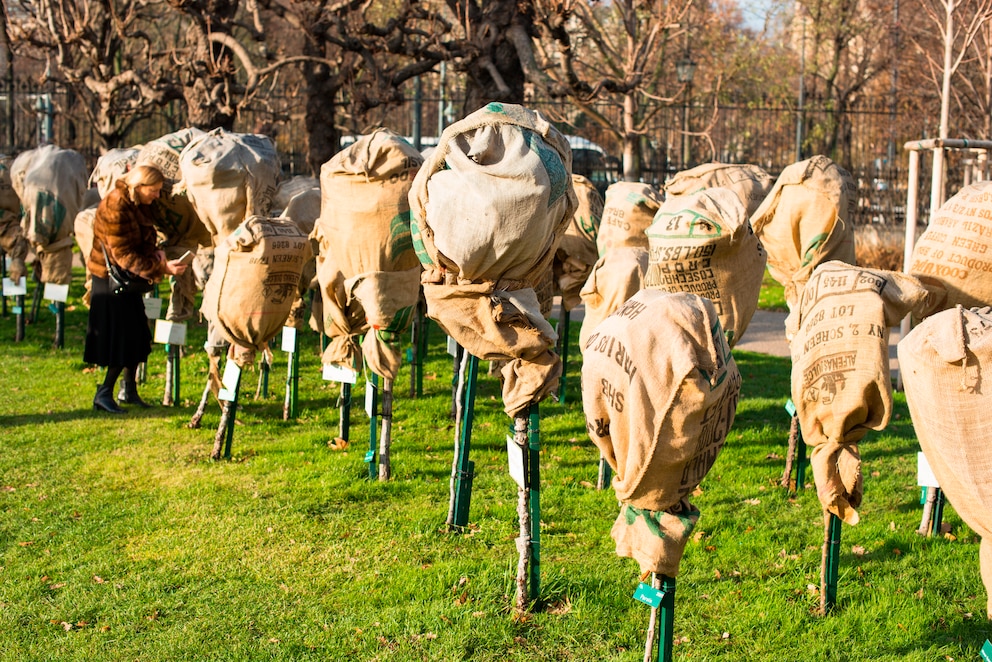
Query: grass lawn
122	540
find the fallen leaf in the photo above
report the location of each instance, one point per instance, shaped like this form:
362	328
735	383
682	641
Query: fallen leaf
105	628
812	588
716	573
698	535
478	614
919	594
26	544
773	456
752	502
586	483
273	640
98	579
710	548
726	635
897	551
56	586
698	491
560	608
337	444
858	550
892	526
66	626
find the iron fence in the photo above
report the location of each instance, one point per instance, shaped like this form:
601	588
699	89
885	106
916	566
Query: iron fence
734	133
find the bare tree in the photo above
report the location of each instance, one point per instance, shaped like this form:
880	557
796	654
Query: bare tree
105	52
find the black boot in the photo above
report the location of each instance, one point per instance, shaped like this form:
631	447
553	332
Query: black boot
104	400
128	394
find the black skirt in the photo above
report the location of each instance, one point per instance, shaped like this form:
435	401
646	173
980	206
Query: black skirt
117	333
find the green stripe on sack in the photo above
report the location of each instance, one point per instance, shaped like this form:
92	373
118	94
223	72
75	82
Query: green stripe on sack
814	247
400	239
552	163
418	245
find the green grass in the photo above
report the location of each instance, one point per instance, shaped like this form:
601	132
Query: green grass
122	540
772	295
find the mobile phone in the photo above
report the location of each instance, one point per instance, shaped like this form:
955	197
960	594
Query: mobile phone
187	257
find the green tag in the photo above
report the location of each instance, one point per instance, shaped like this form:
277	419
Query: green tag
53	309
986	651
369	457
790	407
649	595
17	310
409	355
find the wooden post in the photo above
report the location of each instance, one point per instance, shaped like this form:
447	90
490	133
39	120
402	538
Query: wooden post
19	319
523	516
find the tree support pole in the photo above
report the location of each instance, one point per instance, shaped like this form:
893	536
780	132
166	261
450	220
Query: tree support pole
372	399
462	468
344	411
563	326
289	408
19	318
59	324
831	562
605	474
385	436
225	430
661	625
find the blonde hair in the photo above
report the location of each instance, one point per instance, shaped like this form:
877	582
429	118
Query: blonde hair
142	175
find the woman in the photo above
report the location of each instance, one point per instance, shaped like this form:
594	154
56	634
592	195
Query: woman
117	335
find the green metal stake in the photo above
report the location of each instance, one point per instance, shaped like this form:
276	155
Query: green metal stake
463	469
59	324
373	401
175	354
563	325
418	340
831	562
3	274
35	302
263	378
344	411
605	474
225	430
18	317
986	652
534	497
660	596
938	512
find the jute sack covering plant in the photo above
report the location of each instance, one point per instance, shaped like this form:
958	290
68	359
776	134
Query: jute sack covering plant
180	230
943	362
50	181
303	209
628	211
659	392
577	252
614	278
12	239
110	167
807	219
702	243
228	177
288	189
749	182
368	262
255	280
954	250
489	208
841	384
163	153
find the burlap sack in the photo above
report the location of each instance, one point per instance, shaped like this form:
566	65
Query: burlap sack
943	361
366	247
659	392
12	239
110	167
577	252
489	207
841	385
256	278
749	182
163	153
614	278
51	182
807	219
628	211
288	189
228	177
702	243
954	249
83	229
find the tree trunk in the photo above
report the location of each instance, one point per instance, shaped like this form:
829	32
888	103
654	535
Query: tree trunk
323	138
7	71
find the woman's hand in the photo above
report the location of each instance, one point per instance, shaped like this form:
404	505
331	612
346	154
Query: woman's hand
174	267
